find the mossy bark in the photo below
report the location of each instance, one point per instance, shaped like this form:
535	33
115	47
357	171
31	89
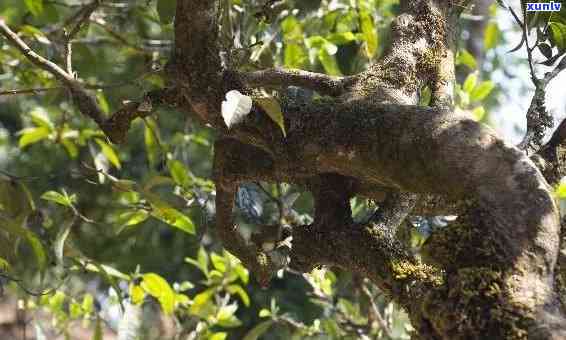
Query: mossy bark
490	276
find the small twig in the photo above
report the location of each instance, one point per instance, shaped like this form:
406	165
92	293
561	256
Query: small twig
376	313
117	36
29	291
39	90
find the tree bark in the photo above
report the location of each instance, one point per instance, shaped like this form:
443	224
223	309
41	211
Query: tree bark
491	275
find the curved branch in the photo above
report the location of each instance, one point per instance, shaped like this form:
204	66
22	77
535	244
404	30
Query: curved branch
319	82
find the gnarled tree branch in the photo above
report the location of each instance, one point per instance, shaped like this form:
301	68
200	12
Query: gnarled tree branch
322	83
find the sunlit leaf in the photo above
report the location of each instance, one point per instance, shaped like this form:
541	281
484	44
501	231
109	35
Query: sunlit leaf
201	303
369	34
179	173
470	82
59	242
151	142
88	303
561	190
164	212
237	289
218	336
160	289
34	6
557	32
491	36
56	197
218	262
481	91
466	58
273	109
107	270
33	135
329	62
478	113
109	153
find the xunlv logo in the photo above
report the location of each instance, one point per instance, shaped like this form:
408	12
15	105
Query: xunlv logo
543	7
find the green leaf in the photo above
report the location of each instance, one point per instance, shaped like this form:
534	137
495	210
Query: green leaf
151	138
369	33
166	10
561	190
71	147
478	113
264	313
158	287
102	102
33	135
137	294
425	96
260	329
467	59
237	289
38	250
162	211
218	262
56	197
294	56
14	227
470	82
341	38
482	91
329	62
34	6
558	35
109	153
174	218
40	118
179	173
59	242
4	265
273	109
75	310
225	316
201	262
108	271
201	304
291	29
132	218
218	336
16	202
491	36
88	303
